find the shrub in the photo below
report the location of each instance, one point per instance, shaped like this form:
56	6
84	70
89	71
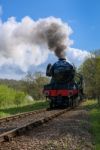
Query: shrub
9	96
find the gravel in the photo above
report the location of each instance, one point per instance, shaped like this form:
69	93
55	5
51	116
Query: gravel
19	122
70	131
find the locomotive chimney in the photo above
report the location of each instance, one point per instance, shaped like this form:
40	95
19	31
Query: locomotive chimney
62	59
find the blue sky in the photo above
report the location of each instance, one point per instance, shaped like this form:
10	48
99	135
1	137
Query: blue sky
82	16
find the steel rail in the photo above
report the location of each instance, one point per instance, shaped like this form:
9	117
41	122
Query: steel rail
20	115
7	136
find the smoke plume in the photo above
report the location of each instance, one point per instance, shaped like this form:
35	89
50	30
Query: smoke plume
55	34
28	42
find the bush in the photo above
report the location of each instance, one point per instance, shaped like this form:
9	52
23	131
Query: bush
9	96
19	98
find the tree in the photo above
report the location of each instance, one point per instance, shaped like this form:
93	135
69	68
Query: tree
91	73
34	84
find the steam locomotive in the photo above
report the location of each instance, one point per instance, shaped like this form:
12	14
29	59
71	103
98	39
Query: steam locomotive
66	86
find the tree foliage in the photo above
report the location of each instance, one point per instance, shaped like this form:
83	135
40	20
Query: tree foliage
9	96
91	73
34	85
31	85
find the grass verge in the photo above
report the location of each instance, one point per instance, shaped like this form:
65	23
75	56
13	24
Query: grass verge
94	112
23	108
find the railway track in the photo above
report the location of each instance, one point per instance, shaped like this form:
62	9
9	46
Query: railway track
19	124
15	121
6	119
12	117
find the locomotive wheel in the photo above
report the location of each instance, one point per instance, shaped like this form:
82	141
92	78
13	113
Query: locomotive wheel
51	104
71	102
76	102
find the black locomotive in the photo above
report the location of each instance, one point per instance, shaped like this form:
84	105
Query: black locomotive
65	87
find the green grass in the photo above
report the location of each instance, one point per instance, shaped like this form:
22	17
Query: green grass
23	108
94	111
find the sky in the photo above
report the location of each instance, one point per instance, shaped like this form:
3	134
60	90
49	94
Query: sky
82	16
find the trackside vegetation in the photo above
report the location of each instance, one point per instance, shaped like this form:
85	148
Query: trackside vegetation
94	112
90	70
31	85
13	102
10	97
23	108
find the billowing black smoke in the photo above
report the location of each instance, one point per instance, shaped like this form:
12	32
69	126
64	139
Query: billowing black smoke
55	39
55	33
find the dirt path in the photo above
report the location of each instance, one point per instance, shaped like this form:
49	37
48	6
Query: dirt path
70	131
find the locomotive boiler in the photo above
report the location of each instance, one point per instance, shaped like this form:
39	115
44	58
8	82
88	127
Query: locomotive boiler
65	88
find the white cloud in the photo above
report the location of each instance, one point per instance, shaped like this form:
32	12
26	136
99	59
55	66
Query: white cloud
27	42
77	56
11	71
24	44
